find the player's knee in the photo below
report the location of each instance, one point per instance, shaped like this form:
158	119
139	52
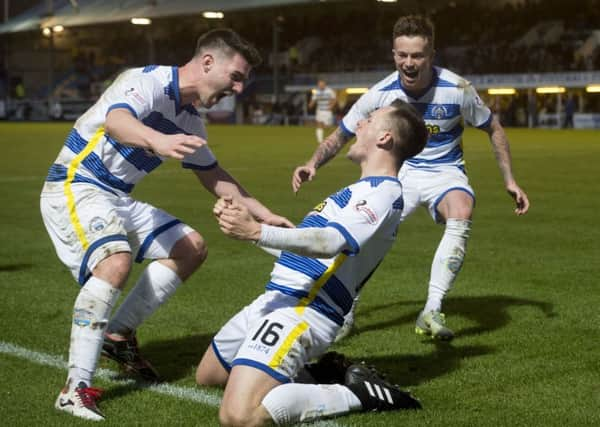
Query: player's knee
457	204
459	227
200	249
114	269
201	377
191	248
462	212
207	377
234	417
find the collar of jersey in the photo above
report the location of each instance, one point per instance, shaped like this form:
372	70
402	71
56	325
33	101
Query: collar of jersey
379	178
174	83
416	95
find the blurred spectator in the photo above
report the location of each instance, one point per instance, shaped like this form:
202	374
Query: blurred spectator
55	110
292	62
3	91
257	114
23	110
570	107
532	110
19	89
277	117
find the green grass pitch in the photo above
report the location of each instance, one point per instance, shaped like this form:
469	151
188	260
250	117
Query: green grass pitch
525	306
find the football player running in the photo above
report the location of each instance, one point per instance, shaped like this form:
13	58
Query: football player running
323	100
436	177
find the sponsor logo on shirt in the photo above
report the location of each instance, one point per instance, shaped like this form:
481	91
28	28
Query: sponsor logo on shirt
320	206
369	214
135	95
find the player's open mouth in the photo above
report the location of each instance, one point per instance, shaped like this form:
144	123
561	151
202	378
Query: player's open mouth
411	74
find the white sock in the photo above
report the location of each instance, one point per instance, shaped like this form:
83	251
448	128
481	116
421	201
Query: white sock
292	403
346	328
447	261
154	287
319	135
90	316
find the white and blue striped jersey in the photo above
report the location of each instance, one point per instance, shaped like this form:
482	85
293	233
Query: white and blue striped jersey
323	98
152	95
367	213
444	104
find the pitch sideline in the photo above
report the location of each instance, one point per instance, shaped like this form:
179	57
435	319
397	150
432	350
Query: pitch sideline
179	392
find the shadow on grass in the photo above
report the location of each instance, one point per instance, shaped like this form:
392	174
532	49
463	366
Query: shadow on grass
173	358
15	267
489	312
176	358
411	370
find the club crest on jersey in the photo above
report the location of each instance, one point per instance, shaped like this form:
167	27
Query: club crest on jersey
97	224
439	111
320	206
369	214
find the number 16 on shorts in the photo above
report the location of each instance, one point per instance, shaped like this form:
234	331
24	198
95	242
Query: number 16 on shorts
278	341
266	337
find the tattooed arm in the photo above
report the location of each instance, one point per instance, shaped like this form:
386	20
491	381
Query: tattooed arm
324	152
502	152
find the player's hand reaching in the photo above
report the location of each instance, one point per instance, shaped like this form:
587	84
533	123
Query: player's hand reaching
278	221
235	220
302	174
519	197
176	146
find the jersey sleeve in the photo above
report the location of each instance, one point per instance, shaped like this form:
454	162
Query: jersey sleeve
361	109
474	110
134	92
202	159
362	217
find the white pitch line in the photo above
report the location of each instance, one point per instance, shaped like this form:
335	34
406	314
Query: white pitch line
179	392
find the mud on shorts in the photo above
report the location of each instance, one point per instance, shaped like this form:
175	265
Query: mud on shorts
88	224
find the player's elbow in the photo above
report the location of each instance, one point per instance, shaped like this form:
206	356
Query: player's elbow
113	120
327	252
111	123
326	249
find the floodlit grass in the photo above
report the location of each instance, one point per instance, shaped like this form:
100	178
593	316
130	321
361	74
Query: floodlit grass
525	307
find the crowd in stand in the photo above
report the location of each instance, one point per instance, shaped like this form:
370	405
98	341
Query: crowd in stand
473	37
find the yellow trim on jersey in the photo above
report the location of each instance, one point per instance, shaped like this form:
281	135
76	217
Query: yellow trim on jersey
304	302
69	192
287	344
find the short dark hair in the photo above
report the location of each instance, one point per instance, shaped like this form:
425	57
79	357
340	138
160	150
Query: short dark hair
415	25
408	130
229	42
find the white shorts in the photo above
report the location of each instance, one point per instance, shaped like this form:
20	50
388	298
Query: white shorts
101	224
272	335
428	186
325	117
